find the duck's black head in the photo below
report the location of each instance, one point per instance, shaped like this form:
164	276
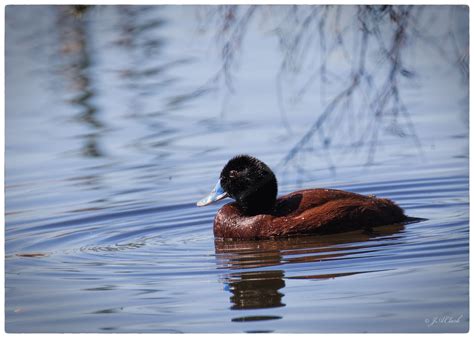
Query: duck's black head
250	182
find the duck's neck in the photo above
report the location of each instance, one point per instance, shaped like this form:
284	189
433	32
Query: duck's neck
251	206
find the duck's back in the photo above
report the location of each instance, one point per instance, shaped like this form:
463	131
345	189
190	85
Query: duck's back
319	211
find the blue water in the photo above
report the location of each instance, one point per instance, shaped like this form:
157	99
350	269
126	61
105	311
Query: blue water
118	119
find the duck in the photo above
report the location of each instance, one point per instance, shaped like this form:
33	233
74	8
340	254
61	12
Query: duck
257	213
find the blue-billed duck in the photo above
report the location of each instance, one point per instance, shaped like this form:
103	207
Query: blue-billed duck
257	213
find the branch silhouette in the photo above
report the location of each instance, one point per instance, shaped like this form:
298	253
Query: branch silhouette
367	88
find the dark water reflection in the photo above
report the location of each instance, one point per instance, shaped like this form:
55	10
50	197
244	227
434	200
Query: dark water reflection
263	288
256	290
76	59
119	118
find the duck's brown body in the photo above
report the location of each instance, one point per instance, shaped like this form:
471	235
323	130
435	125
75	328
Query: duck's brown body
318	211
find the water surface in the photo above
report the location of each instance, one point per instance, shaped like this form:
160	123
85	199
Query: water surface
116	125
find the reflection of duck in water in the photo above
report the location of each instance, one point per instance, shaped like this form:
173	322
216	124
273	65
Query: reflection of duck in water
262	288
257	213
256	290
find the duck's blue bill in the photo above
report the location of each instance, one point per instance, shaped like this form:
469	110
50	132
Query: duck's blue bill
216	194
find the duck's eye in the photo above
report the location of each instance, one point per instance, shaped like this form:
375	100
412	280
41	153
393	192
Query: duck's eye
233	173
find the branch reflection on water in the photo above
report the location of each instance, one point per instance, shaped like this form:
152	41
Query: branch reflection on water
76	59
253	286
353	64
358	60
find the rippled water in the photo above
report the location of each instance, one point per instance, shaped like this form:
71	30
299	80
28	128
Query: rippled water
111	138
